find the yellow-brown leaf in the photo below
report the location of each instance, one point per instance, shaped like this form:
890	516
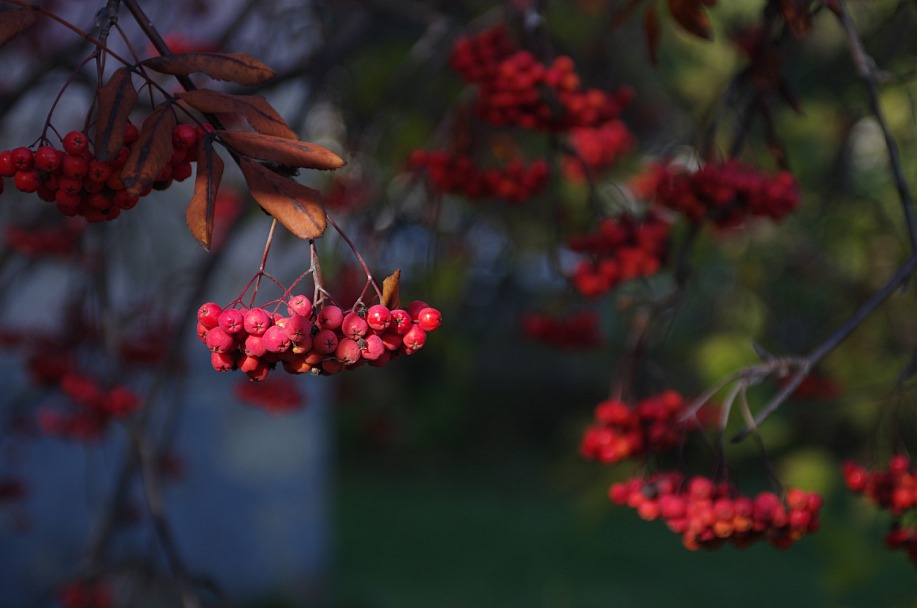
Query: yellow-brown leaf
253	108
299	208
152	150
391	296
206	183
287	152
14	21
231	67
117	98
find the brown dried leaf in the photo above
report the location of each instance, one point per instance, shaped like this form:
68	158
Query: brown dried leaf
286	152
206	182
152	150
652	31
255	109
691	16
391	296
117	98
231	67
294	205
14	21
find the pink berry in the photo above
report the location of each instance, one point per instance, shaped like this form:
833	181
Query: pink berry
325	342
297	327
249	363
256	321
401	320
415	307
415	338
222	362
219	341
231	320
276	340
347	351
354	326
330	317
209	314
429	318
300	305
372	348
378	317
253	346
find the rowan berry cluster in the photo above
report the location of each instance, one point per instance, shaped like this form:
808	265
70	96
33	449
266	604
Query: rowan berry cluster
597	148
580	330
458	174
90	406
322	342
81	185
58	240
728	193
895	489
707	514
621	430
515	88
619	250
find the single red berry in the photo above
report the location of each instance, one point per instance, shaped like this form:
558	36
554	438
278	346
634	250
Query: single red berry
75	143
27	180
372	347
222	362
429	318
182	171
99	171
6	164
257	321
325	342
209	314
354	326
219	341
231	320
297	327
415	307
70	185
347	351
131	133
184	136
22	158
401	320
378	317
253	346
125	200
330	317
415	338
48	159
75	166
300	305
276	340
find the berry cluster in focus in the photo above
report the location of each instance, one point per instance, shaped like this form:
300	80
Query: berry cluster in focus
322	342
620	430
728	193
458	174
81	185
707	514
619	250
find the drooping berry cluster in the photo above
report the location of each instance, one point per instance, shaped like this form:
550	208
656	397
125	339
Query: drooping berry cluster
597	148
580	330
515	88
707	514
728	193
89	405
895	489
81	185
458	174
321	342
619	250
621	430
45	240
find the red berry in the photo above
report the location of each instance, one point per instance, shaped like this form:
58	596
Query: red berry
429	318
184	136
415	338
401	320
99	171
219	341
75	143
6	164
354	326
325	342
372	347
298	328
222	362
209	314
182	171
254	346
300	305
276	340
347	351
131	133
256	321
22	159
48	159
27	180
231	320
74	166
378	317
330	317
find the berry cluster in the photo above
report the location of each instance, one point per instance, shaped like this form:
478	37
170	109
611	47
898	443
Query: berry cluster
597	148
894	489
81	185
321	342
515	88
580	330
59	240
707	514
728	193
621	430
458	174
620	250
90	405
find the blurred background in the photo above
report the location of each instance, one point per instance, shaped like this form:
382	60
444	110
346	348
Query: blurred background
453	476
